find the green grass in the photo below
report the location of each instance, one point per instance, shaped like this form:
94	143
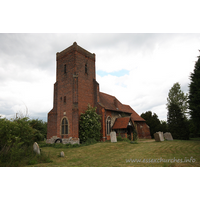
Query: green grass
106	154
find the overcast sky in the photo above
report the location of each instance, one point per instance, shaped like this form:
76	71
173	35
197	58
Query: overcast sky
139	69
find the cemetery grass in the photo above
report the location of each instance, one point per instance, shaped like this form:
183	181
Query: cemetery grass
107	154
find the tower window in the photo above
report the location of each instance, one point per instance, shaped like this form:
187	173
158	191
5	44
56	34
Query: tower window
64	99
65	69
86	70
64	126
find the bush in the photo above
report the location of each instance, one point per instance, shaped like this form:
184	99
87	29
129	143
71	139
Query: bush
133	142
89	142
119	138
126	140
41	128
17	138
89	125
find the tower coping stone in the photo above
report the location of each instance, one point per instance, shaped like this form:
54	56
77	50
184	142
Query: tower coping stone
77	48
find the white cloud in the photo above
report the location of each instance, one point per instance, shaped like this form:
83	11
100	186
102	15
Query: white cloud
154	61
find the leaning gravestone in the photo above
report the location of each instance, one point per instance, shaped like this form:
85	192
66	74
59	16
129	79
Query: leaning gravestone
36	148
62	154
113	137
159	136
168	136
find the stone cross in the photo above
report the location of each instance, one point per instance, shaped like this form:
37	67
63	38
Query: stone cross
113	137
168	136
36	148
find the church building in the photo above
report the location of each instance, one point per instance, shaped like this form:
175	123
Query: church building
74	89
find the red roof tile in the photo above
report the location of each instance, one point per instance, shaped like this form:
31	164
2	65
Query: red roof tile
121	123
134	115
112	103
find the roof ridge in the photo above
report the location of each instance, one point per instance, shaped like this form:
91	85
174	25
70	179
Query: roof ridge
107	94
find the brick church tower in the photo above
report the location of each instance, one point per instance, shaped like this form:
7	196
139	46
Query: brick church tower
74	89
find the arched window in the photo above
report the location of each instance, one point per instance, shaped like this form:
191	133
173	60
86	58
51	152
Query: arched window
108	126
64	126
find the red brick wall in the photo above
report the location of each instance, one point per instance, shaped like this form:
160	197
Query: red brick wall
143	130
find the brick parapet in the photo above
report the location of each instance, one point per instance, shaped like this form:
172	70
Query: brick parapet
74	48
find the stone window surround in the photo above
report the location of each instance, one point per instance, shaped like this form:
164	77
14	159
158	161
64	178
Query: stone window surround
66	132
108	125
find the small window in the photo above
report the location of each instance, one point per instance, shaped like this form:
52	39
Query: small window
64	127
65	69
64	99
86	70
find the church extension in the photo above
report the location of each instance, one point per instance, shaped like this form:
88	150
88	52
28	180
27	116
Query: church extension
75	88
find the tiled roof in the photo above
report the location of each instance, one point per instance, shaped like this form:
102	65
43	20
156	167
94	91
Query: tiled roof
134	115
121	123
112	103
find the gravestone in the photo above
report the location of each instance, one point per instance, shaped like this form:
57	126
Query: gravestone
113	137
159	136
168	136
36	148
62	154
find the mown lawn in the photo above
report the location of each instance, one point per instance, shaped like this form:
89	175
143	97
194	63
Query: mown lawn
106	154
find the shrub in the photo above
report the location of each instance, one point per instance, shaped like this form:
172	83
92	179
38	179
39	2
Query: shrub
89	141
119	138
133	142
41	128
126	140
17	138
89	125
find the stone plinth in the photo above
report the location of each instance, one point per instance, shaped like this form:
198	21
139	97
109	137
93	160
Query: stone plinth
64	140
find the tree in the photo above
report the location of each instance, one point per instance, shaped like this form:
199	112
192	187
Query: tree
177	122
40	126
89	125
194	95
176	96
152	121
163	126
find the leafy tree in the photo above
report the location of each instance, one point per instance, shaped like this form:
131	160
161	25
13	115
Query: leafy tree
17	137
41	128
152	121
163	126
177	122
89	125
176	96
194	96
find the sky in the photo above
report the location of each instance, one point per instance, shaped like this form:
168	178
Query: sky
137	68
